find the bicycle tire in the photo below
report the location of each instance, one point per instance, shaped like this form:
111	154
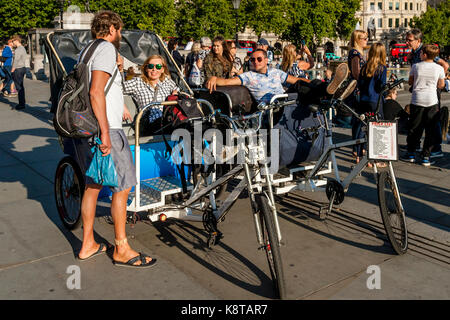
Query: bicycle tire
271	246
393	218
69	190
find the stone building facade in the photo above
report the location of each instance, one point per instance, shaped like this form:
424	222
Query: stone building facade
391	19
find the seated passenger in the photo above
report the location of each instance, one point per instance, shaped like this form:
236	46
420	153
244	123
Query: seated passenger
219	62
264	82
292	66
154	85
237	62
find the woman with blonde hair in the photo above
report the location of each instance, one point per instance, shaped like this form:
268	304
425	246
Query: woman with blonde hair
192	58
372	79
154	85
358	41
356	61
291	66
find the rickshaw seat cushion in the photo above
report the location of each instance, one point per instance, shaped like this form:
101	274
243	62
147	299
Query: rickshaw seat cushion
240	98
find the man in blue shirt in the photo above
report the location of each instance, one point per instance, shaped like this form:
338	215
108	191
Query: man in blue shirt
414	42
264	82
7	66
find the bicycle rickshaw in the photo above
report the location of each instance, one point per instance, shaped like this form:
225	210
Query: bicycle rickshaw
163	190
160	191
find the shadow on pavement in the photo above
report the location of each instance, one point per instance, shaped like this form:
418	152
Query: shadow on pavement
291	213
32	185
226	263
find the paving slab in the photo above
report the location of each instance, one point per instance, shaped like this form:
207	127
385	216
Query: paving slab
19	182
405	278
31	229
322	259
99	279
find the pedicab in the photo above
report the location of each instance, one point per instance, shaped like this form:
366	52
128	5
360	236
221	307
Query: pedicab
168	188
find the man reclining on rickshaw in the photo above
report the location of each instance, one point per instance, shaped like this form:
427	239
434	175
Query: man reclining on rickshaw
264	82
297	124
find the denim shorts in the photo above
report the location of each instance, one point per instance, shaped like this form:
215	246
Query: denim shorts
120	154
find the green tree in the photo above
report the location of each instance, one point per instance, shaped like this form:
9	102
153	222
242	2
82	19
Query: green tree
435	24
346	20
313	20
154	15
265	15
18	16
197	18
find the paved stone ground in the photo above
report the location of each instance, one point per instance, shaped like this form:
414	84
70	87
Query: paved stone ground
322	259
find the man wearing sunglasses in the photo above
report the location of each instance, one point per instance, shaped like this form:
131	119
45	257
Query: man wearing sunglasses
264	82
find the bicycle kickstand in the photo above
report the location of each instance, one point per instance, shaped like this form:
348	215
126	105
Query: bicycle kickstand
328	208
210	225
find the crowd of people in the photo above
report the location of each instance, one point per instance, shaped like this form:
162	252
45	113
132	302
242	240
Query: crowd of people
212	64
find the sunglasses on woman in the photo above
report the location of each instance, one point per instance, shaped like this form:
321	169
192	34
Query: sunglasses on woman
259	59
151	66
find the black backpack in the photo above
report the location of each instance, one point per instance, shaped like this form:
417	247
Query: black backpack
74	117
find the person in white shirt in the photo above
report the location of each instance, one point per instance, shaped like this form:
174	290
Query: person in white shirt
109	111
424	78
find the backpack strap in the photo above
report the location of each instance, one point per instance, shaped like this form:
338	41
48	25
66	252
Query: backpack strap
111	80
90	50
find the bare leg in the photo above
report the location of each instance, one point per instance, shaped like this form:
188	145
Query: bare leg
122	252
88	208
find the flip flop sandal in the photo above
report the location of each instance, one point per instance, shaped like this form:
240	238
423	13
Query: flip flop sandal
98	252
130	263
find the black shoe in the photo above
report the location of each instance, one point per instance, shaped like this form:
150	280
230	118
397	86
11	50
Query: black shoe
19	107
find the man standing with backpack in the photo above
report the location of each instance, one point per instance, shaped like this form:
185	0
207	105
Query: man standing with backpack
108	110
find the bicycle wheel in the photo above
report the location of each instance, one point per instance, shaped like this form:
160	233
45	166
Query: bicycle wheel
69	189
271	245
391	213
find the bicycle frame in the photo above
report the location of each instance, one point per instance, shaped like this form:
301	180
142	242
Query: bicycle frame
312	183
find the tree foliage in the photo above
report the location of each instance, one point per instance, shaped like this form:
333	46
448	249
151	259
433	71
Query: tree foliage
294	20
313	20
198	18
265	15
154	15
18	16
435	24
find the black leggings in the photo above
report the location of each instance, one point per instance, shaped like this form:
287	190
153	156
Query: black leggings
423	118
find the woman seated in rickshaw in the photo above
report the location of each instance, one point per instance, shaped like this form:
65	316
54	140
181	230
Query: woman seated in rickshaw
154	85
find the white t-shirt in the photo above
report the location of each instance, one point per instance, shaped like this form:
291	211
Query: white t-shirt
426	76
104	59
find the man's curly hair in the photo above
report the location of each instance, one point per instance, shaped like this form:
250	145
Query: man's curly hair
102	21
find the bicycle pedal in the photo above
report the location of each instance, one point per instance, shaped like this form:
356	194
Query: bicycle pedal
323	216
